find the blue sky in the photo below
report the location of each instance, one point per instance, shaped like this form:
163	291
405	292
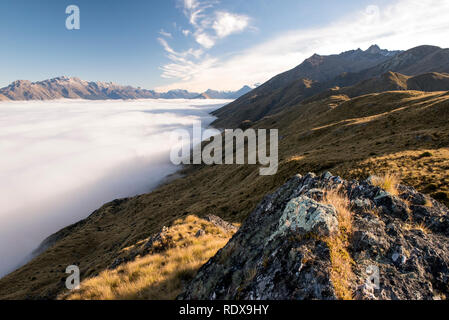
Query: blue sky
200	44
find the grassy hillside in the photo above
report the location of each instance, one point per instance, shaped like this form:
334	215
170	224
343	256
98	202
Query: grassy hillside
163	265
314	75
403	132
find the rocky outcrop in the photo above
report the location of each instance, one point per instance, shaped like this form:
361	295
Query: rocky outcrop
397	248
220	223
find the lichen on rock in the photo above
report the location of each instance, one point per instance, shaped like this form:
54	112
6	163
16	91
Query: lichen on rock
304	215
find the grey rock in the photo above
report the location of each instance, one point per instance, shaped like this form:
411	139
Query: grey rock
218	222
200	233
303	215
327	175
315	194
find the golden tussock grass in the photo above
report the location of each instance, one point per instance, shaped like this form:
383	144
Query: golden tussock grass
160	276
428	203
429	175
341	261
388	182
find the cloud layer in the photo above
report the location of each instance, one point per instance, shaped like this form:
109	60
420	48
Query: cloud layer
402	24
61	160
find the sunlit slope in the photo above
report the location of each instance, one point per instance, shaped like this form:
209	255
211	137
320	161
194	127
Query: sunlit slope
163	264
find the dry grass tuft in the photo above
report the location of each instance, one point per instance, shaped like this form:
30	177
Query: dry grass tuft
295	158
160	276
421	227
341	204
341	260
388	182
428	203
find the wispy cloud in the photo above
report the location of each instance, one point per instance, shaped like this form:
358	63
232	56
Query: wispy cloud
195	10
204	39
165	34
400	25
208	26
183	65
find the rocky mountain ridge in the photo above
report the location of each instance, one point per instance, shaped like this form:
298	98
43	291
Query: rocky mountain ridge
320	73
291	253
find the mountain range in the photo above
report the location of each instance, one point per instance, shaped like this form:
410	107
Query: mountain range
75	88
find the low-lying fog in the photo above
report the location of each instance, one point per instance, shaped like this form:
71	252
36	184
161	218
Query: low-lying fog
61	160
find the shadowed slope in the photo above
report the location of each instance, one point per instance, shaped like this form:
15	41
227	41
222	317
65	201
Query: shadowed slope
390	81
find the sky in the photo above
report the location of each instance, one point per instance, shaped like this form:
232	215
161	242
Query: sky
202	44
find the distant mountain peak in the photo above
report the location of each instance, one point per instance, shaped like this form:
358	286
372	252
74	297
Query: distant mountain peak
374	49
19	83
61	78
315	59
214	94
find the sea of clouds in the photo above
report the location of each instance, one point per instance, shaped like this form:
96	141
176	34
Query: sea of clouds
61	160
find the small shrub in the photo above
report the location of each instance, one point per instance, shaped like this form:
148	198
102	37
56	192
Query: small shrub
425	155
